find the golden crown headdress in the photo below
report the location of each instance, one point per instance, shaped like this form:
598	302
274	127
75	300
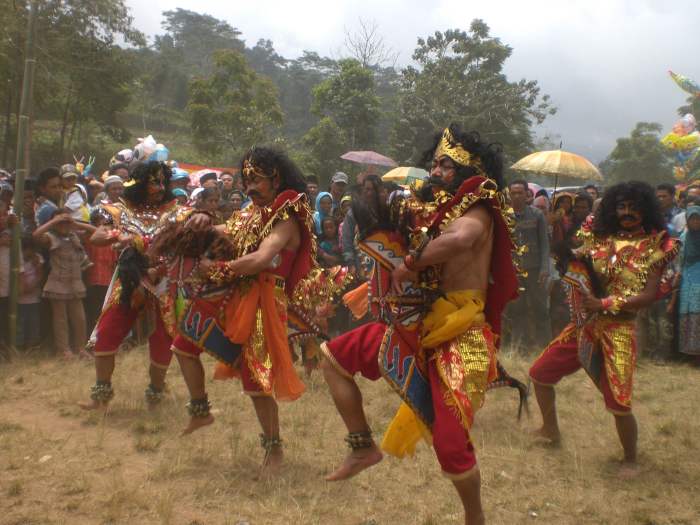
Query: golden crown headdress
250	169
449	147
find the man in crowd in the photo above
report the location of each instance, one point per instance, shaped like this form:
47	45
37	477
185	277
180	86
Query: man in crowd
626	250
51	190
339	183
461	241
227	188
666	193
209	180
678	223
528	315
592	190
311	190
75	197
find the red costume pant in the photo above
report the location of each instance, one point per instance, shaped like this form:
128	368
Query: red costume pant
115	324
561	359
357	351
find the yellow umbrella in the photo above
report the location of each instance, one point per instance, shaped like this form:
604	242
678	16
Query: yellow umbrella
558	163
404	174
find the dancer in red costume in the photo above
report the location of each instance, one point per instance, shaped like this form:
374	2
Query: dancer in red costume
441	362
246	298
130	226
621	262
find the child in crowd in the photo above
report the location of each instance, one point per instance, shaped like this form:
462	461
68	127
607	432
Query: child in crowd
99	275
64	287
208	200
181	196
328	247
29	300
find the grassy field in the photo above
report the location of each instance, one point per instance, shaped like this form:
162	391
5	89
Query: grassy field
61	465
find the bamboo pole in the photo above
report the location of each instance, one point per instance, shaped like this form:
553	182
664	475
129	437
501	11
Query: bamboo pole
23	147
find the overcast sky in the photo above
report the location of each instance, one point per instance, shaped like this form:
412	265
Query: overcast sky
604	62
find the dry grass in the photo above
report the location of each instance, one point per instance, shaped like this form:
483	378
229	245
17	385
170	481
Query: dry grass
60	465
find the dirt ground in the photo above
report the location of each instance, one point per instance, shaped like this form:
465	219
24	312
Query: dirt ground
59	464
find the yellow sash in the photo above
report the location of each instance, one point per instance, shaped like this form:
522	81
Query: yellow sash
448	318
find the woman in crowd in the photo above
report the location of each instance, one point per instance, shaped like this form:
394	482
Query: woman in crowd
689	292
324	208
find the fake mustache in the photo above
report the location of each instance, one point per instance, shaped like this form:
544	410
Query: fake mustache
436	181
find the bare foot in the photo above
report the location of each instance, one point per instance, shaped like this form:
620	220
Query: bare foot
356	462
547	436
273	461
94	405
628	470
197	423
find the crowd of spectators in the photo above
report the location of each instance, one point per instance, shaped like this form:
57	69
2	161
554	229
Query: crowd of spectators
64	278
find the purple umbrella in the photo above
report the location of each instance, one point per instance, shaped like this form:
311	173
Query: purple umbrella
368	157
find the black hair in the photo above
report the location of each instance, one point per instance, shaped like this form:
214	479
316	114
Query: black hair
642	194
542	193
312	179
118	166
521	182
30	185
46	175
667	187
693	201
584	196
370	214
208	192
589	186
140	172
490	155
270	159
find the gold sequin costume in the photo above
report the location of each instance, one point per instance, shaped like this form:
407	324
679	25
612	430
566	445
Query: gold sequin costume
623	264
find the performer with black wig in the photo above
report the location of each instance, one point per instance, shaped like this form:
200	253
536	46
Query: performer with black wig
440	302
130	225
617	270
240	317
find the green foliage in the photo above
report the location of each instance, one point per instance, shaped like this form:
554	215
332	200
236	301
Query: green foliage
460	79
639	157
233	108
349	98
322	147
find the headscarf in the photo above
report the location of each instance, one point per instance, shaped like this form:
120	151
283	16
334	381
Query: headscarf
318	214
691	239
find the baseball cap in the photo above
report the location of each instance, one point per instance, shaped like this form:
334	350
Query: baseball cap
68	170
179	192
179	174
339	176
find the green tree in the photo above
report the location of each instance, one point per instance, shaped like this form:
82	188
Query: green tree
233	108
322	147
460	79
639	157
349	98
83	72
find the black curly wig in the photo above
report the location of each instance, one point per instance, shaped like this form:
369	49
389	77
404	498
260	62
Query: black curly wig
606	221
270	159
490	155
141	172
